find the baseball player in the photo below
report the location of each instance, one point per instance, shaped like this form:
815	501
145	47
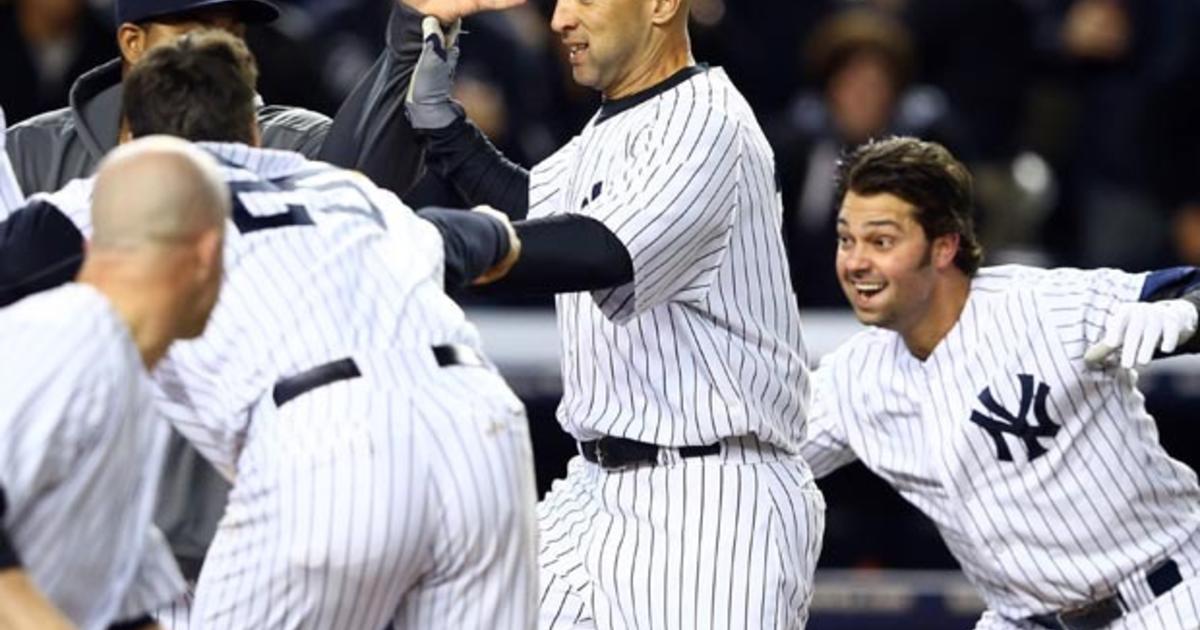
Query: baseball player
683	366
1003	403
10	191
83	444
368	134
381	467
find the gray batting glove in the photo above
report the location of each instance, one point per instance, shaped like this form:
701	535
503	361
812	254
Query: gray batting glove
428	103
1137	329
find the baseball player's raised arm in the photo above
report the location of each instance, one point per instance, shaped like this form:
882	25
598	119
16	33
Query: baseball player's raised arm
461	154
455	148
825	446
370	132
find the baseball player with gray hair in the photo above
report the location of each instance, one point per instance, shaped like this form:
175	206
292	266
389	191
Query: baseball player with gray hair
83	442
1002	402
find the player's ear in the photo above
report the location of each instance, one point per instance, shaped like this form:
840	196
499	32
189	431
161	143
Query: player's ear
209	254
945	248
666	10
132	40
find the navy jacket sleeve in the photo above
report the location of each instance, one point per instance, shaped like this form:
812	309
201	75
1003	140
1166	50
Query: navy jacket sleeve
370	132
473	242
39	249
461	154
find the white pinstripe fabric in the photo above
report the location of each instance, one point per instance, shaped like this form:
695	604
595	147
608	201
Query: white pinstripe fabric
705	343
10	191
352	272
703	346
1035	534
702	543
406	494
80	454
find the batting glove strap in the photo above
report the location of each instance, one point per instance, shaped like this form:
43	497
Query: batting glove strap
428	103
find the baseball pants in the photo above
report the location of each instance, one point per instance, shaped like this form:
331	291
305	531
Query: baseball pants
727	541
405	496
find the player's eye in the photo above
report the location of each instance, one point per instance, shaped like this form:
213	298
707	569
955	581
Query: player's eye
844	242
884	242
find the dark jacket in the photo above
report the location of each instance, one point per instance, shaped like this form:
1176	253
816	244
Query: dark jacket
369	133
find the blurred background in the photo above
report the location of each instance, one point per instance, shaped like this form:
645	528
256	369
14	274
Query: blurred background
1079	118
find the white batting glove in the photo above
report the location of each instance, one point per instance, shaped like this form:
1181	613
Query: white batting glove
1138	328
428	102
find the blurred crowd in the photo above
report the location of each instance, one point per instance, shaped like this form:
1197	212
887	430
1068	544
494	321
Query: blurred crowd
1078	117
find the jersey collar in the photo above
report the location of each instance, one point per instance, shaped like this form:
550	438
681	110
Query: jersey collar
611	108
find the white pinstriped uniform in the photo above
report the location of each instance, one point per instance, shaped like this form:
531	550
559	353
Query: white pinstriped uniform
10	190
703	346
81	449
1041	524
403	496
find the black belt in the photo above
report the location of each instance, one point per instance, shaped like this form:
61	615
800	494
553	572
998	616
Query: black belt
1102	612
289	388
614	453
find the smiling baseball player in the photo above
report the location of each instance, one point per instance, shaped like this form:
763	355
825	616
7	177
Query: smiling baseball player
992	399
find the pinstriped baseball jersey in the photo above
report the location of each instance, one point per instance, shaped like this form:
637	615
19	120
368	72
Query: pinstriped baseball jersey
321	529
297	298
705	342
10	191
81	448
1046	479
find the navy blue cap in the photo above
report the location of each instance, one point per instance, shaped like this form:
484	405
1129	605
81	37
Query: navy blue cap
252	11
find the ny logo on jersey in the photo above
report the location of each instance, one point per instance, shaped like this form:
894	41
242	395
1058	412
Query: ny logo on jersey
999	421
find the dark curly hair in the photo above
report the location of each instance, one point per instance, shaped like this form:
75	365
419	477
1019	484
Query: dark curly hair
925	175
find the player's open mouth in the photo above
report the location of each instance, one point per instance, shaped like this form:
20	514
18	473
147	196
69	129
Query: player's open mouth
576	50
868	289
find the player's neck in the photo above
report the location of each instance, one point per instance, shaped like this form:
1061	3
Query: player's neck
658	64
137	306
946	305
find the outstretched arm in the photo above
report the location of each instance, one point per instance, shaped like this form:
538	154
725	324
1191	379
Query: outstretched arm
1163	322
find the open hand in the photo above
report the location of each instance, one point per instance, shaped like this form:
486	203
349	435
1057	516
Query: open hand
448	11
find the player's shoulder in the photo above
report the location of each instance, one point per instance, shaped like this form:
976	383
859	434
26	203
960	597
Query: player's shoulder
295	119
1052	283
72	328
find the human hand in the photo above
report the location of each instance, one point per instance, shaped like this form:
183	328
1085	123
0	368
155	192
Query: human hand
449	11
1138	328
500	269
